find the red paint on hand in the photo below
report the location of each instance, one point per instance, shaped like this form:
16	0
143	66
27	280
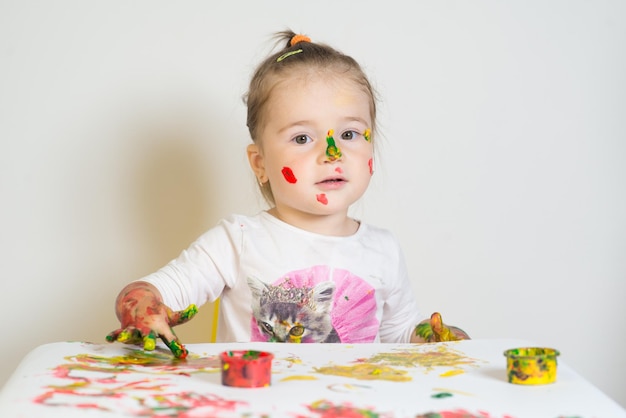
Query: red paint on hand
288	174
322	199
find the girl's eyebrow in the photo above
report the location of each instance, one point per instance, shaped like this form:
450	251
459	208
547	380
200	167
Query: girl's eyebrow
294	124
356	119
306	122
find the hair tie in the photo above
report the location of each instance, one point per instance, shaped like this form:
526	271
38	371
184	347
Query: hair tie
296	39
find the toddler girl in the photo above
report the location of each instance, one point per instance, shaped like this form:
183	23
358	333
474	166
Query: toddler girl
302	271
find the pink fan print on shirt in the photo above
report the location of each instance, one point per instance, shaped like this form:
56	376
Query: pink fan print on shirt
318	304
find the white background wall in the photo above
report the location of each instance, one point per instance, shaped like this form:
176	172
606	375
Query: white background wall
502	167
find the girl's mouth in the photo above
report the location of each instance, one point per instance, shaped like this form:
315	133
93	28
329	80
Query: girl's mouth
331	183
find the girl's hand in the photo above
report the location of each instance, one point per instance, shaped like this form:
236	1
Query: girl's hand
436	331
144	318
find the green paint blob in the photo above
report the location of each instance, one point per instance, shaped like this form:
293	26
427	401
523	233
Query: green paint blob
177	348
424	330
441	395
188	313
332	151
149	341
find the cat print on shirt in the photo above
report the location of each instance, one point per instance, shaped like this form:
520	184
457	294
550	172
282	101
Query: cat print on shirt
314	305
294	315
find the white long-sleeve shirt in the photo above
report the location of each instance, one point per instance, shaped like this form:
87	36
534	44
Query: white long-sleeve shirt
280	283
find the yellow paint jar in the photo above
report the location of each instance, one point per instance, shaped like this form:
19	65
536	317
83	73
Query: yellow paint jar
531	365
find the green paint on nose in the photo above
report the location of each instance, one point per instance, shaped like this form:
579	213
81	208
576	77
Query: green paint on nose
332	151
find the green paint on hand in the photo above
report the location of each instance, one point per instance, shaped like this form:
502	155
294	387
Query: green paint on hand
188	313
149	341
124	336
424	330
177	348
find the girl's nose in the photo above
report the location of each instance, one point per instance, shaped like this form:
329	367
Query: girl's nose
332	152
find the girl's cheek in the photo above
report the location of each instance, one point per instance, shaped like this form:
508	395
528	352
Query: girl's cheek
288	175
370	163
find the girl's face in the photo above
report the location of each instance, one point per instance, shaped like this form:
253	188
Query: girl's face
315	149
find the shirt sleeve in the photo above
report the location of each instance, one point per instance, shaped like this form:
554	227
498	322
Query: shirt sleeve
400	311
202	271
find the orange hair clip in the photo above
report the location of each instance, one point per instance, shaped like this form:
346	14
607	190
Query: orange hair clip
299	38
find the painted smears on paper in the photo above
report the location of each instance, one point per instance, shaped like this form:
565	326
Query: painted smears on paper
330	409
135	384
457	413
384	366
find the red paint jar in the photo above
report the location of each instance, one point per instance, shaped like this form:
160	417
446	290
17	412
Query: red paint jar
246	368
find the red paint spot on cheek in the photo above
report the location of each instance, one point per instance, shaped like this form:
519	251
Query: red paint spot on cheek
322	199
288	174
370	163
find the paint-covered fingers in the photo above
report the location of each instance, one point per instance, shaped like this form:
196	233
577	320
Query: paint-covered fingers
459	333
424	331
112	336
180	317
177	348
434	330
148	340
443	332
125	335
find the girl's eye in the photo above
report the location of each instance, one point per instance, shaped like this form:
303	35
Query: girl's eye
349	135
301	139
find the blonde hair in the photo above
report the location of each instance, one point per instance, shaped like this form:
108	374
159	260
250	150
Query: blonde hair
297	54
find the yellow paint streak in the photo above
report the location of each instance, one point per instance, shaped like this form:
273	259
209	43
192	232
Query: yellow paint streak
453	372
366	371
426	356
298	377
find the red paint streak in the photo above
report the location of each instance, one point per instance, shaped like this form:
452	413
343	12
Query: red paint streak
339	170
327	409
370	163
288	174
95	385
322	199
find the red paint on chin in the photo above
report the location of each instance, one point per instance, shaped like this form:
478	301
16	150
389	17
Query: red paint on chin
288	174
322	199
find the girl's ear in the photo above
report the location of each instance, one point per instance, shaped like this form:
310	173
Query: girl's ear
255	158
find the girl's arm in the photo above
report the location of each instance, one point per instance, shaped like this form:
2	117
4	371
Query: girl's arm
144	318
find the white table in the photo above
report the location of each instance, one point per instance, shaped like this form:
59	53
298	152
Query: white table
461	379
